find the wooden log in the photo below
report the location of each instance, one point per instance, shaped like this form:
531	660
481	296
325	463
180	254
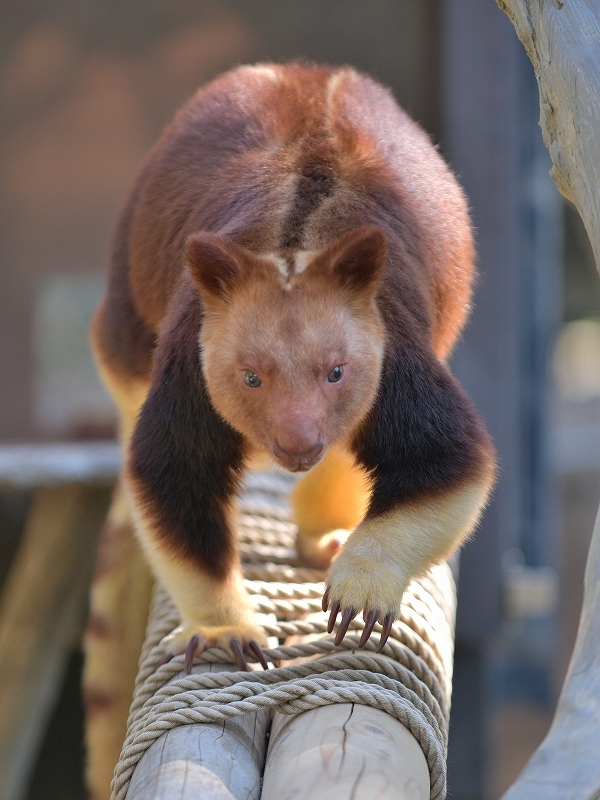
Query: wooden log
346	752
41	613
212	761
26	466
562	40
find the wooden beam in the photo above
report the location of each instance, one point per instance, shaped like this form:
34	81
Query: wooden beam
41	613
27	466
344	752
212	761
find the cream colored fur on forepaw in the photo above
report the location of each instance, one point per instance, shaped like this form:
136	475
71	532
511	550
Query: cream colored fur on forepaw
366	583
320	551
363	579
193	639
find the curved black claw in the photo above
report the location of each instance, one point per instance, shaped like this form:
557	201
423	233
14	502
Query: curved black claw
335	608
347	617
165	659
370	621
387	627
238	654
325	601
258	654
189	652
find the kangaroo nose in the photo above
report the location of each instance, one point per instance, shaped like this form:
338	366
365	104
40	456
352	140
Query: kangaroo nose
298	461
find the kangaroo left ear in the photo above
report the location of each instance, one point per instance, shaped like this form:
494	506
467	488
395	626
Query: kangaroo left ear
357	259
216	264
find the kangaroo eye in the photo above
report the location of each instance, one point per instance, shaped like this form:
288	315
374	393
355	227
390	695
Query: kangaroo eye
251	379
335	375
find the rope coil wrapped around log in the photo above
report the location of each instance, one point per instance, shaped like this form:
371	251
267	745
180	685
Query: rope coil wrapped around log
410	680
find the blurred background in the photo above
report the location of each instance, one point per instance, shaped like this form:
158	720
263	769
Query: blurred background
86	87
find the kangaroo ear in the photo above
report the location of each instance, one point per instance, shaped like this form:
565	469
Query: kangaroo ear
357	259
216	264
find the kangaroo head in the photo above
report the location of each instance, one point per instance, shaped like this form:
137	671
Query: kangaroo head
291	354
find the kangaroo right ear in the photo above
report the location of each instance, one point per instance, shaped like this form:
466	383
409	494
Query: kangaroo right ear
216	264
356	261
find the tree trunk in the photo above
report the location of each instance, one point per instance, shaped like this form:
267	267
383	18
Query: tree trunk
562	40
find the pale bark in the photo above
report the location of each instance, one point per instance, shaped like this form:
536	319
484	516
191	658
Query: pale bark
562	39
212	761
344	751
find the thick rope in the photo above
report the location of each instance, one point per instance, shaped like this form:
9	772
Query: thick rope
410	679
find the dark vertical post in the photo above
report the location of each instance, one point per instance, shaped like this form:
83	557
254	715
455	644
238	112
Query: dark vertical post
541	309
480	80
492	142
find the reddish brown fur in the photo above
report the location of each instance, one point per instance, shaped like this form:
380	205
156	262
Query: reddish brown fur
261	140
276	160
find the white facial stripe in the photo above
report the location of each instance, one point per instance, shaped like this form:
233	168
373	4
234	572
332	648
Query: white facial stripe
278	262
301	260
